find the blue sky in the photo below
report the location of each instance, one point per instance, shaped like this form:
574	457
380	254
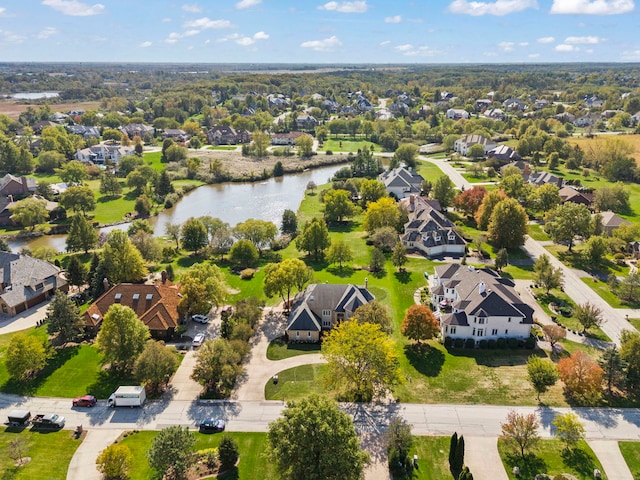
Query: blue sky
317	31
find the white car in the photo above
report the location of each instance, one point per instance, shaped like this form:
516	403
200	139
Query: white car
198	339
200	318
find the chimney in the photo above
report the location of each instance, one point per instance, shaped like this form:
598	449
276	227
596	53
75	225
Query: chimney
412	199
164	276
366	282
481	288
10	197
25	186
105	283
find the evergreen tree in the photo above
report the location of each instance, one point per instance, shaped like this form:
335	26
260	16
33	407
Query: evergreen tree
63	318
453	444
164	186
98	280
82	236
76	273
289	223
465	474
458	458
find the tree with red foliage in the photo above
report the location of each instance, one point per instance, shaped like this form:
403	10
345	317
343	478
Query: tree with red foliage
420	323
582	377
470	200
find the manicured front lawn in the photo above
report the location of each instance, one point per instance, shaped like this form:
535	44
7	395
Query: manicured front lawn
604	290
631	453
50	454
347	144
279	349
536	232
550	458
251	447
433	458
296	383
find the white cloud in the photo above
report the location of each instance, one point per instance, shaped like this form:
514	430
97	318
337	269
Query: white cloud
630	55
523	44
421	51
546	40
166	20
10	37
261	36
243	39
206	23
326	45
357	6
385	43
74	8
47	32
563	47
146	44
506	46
592	7
3	12
589	50
533	55
173	37
394	19
498	8
191	8
583	40
190	33
404	48
242	4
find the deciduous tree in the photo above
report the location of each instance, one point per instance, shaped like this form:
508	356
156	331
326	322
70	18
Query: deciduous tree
567	221
73	172
376	260
171	452
444	191
109	184
489	201
304	143
508	224
338	206
371	191
383	213
520	431
259	232
115	462
399	256
244	253
362	363
553	334
542	374
193	235
588	315
285	277
374	312
568	429
546	275
470	200
334	445
502	259
582	377
339	252
78	199
24	356
155	365
122	337
122	259
29	213
420	323
217	365
202	287
314	238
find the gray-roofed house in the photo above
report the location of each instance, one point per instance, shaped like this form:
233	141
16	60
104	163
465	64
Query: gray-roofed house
611	221
401	182
429	231
322	307
504	153
463	144
17	186
478	304
541	178
26	282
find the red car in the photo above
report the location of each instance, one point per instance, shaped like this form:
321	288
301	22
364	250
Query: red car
85	401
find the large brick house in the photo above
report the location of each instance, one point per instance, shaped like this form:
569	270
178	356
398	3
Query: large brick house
155	305
323	306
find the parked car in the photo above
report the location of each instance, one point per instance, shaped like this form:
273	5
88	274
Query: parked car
200	318
211	425
198	339
84	401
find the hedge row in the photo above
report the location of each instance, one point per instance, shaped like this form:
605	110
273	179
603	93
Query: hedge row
492	343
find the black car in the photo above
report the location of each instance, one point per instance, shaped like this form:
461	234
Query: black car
211	425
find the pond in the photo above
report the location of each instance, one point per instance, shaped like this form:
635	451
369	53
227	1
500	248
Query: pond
231	202
34	95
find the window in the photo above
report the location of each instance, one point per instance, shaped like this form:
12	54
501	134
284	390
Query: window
326	323
481	332
118	297
494	331
297	334
509	319
473	332
326	313
481	321
309	334
453	330
506	330
39	286
149	296
136	296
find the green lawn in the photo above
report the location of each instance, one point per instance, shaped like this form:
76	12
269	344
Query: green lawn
50	454
348	144
537	232
251	447
604	290
631	453
296	383
222	147
279	349
550	458
429	170
433	458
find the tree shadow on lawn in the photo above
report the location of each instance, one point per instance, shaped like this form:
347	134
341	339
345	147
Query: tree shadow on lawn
530	466
579	460
497	358
403	277
30	386
316	265
344	227
425	359
233	474
108	382
342	272
190	260
109	198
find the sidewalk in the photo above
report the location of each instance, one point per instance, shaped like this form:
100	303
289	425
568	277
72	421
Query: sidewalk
611	459
482	457
83	463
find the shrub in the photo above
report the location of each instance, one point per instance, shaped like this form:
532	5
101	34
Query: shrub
329	152
469	343
458	343
209	456
448	342
280	242
619	258
502	343
492	343
482	344
228	452
512	343
247	273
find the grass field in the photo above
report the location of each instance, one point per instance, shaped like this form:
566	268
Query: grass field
279	349
50	454
550	458
587	143
433	458
347	144
296	383
631	453
251	448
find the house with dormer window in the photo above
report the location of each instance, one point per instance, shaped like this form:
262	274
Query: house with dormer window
478	304
323	306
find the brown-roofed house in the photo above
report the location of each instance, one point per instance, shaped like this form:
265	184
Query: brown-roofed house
155	305
570	194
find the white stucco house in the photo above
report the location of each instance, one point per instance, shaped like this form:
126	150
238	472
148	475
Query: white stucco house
478	304
463	144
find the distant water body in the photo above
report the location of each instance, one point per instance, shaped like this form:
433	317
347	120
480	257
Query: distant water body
34	95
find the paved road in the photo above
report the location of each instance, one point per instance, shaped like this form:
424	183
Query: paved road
450	171
614	319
